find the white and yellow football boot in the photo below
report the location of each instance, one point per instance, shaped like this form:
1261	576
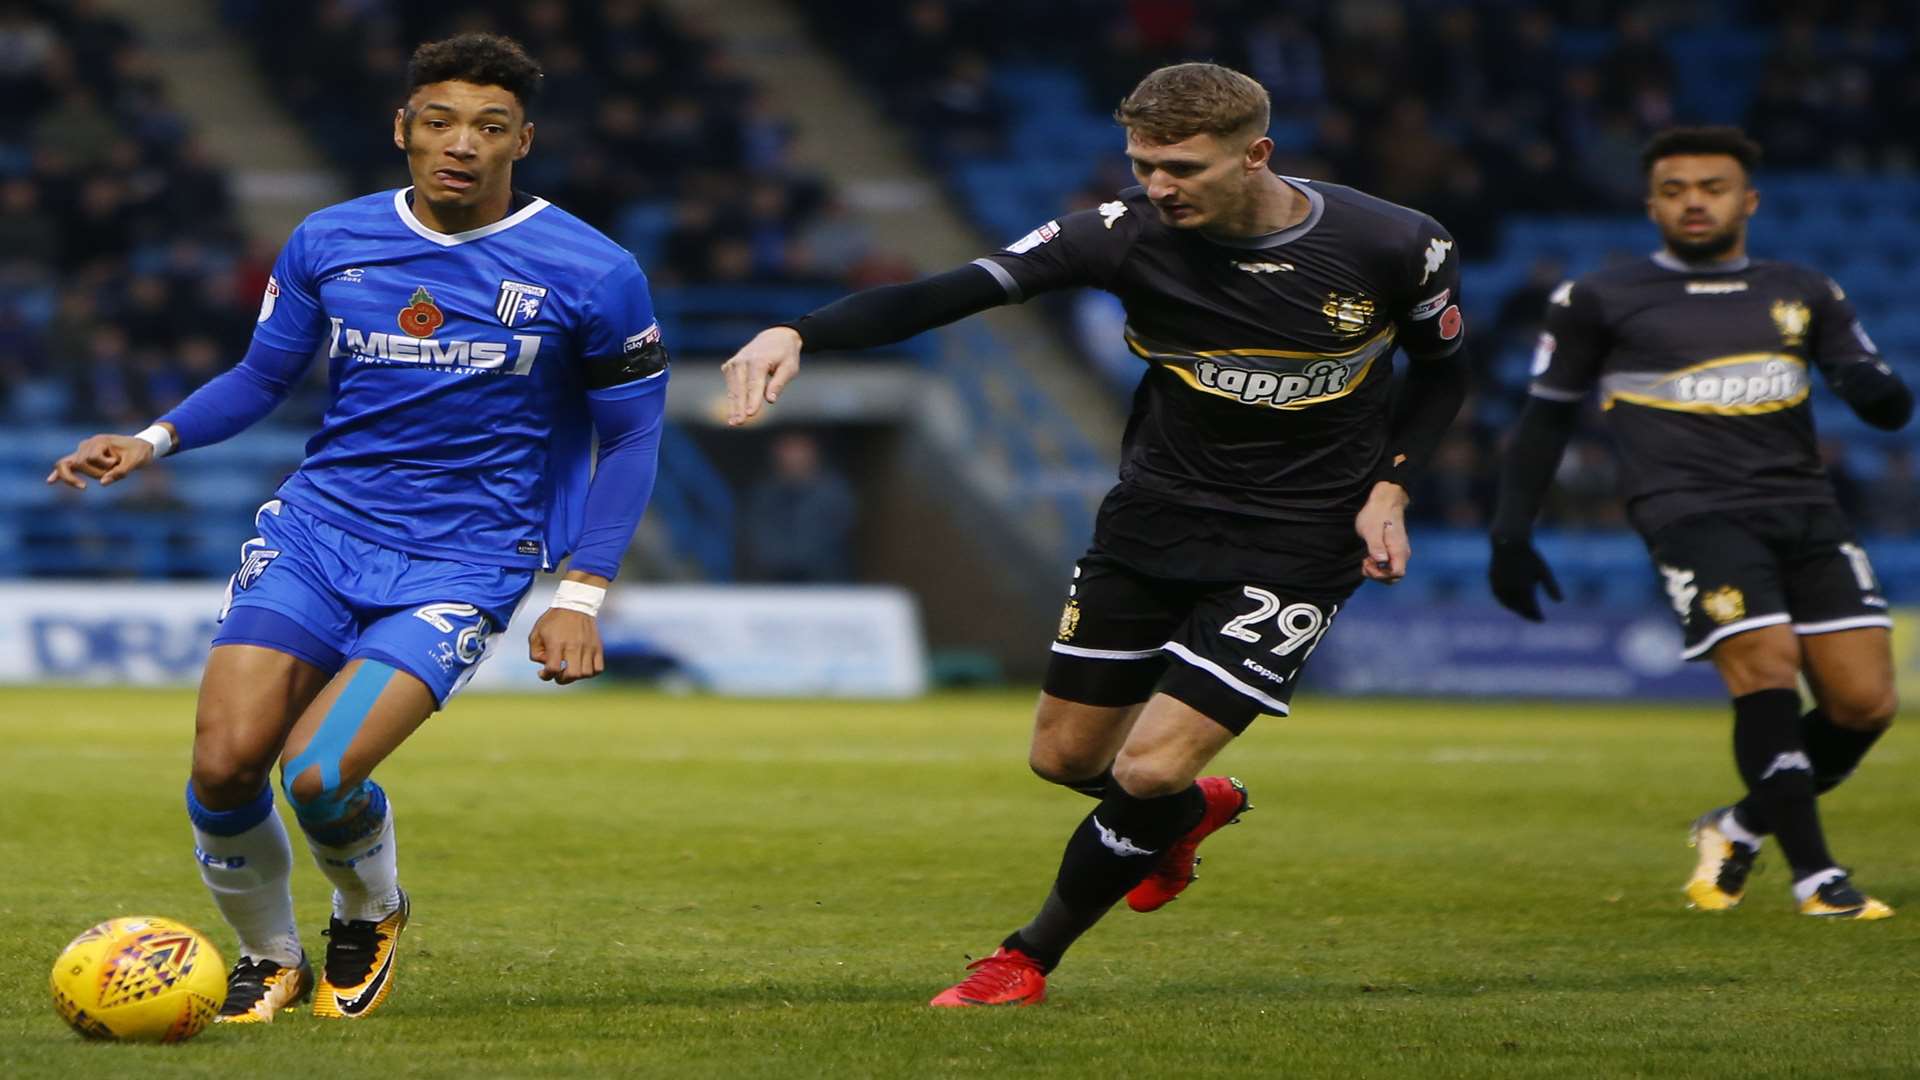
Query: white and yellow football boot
1836	898
358	974
258	988
1719	880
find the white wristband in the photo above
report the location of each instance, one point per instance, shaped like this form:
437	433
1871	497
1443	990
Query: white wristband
579	596
159	438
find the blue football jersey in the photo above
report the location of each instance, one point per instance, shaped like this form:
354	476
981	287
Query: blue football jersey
459	366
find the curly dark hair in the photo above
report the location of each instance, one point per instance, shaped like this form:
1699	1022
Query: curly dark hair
481	59
1676	141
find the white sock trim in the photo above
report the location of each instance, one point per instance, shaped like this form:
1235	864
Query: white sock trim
1810	884
1731	828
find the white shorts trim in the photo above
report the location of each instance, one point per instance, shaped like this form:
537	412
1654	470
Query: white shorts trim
1731	629
1854	623
1106	654
1225	676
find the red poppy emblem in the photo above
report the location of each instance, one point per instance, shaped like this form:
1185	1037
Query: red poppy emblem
1450	322
421	317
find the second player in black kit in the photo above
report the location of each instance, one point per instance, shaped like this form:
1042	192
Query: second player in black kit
1703	360
1263	473
1256	434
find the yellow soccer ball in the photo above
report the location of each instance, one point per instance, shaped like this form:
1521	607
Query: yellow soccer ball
141	980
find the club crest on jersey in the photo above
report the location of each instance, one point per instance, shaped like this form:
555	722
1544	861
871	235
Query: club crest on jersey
1348	315
1791	318
518	302
1724	604
421	317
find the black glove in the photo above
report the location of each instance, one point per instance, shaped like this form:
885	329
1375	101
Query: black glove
1516	568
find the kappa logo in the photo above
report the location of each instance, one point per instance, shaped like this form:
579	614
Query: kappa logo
1789	761
1111	212
1562	296
1436	255
1116	843
518	302
1715	288
1264	267
1680	589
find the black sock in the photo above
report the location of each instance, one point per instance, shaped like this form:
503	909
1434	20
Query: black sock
1094	788
1773	761
1833	749
1113	849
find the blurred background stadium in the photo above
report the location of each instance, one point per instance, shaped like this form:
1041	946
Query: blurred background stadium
761	157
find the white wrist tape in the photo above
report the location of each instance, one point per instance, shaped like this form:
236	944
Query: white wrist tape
158	438
579	596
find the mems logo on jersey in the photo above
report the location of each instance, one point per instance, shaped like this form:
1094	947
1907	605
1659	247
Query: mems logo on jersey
416	344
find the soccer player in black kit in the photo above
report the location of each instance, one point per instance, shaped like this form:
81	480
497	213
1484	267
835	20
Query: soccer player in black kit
1264	472
1701	359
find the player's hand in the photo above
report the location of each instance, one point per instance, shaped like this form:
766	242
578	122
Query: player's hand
1516	568
759	371
566	645
108	457
1383	525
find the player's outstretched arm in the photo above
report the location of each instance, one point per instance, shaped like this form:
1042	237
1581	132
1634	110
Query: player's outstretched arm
878	316
110	457
1533	456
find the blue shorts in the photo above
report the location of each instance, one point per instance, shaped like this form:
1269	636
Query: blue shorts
312	591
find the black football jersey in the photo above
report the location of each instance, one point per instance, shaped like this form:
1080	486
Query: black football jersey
1703	376
1268	361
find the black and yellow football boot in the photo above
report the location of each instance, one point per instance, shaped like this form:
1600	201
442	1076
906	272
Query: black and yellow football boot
358	974
1719	880
258	988
1836	898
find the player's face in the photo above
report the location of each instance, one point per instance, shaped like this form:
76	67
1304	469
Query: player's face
1194	182
461	141
1701	202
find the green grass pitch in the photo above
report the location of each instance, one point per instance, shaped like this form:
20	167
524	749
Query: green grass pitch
610	883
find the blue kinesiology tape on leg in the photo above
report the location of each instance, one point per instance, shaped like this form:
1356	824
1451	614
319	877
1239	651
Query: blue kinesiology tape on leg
329	744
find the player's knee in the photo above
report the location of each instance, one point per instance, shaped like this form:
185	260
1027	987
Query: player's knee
1150	777
227	772
1870	710
1064	765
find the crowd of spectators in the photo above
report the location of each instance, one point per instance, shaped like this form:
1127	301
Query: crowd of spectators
646	126
125	279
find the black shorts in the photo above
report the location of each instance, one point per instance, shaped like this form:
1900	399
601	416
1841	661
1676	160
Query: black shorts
1230	649
1737	570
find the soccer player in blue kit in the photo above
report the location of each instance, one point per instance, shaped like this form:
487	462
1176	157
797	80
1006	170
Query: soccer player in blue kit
476	338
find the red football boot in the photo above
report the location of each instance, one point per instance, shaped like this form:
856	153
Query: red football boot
1008	977
1226	801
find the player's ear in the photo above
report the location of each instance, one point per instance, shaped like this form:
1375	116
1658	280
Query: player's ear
526	141
400	128
1259	152
1752	200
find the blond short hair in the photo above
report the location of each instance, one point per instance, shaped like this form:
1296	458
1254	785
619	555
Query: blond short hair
1184	100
